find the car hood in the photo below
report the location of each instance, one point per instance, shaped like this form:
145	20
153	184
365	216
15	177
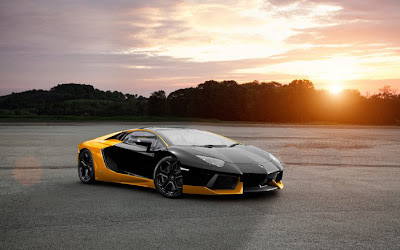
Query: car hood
238	159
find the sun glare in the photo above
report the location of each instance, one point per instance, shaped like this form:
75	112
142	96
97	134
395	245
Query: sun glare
335	89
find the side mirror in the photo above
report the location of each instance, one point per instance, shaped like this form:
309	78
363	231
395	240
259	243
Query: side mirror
146	143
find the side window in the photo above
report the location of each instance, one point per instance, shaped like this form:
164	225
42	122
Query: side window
141	135
158	145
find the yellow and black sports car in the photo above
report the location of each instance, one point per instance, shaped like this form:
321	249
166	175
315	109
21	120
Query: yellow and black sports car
179	160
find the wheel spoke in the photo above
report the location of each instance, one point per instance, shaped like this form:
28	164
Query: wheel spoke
178	184
163	175
175	168
162	178
165	184
165	169
169	168
173	185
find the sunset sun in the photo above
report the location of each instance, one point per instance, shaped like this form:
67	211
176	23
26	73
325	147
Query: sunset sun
335	89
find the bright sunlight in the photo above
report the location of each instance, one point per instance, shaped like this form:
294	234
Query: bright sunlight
336	89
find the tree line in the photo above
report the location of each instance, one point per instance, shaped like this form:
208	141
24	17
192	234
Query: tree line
297	102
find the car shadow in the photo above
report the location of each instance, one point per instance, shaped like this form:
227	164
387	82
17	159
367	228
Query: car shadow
124	186
246	196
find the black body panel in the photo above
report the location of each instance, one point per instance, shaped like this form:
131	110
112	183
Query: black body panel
238	160
129	159
252	165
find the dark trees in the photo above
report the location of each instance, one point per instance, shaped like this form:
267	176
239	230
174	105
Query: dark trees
296	102
157	103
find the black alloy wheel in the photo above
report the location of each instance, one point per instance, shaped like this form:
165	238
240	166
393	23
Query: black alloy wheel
168	178
86	167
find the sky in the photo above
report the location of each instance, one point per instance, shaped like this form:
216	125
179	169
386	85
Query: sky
138	47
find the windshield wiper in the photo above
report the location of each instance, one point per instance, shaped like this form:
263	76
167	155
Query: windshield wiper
234	144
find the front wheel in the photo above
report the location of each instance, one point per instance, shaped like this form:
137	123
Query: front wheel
168	178
86	167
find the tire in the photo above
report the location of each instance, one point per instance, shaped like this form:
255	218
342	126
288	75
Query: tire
168	178
86	167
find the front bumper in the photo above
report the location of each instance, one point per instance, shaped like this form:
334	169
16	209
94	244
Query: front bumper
197	181
270	187
262	183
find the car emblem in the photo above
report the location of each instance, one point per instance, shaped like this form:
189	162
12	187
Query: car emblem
261	166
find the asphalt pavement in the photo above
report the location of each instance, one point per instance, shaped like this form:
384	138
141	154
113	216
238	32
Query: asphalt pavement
342	191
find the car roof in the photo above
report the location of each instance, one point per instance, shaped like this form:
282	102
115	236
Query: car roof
155	129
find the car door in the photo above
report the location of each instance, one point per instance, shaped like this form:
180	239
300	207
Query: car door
135	159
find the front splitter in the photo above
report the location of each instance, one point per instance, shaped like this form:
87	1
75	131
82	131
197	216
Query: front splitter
259	189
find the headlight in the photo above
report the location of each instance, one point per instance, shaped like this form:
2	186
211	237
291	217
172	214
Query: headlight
213	161
274	158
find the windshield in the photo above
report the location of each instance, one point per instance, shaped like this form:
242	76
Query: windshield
193	137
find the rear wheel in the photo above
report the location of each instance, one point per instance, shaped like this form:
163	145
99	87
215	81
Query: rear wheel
168	178
86	167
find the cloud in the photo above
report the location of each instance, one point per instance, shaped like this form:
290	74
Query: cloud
142	46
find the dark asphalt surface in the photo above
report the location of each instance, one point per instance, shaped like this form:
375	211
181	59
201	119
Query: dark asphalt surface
333	203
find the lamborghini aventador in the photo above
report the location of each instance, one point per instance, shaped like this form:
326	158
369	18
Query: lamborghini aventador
179	160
